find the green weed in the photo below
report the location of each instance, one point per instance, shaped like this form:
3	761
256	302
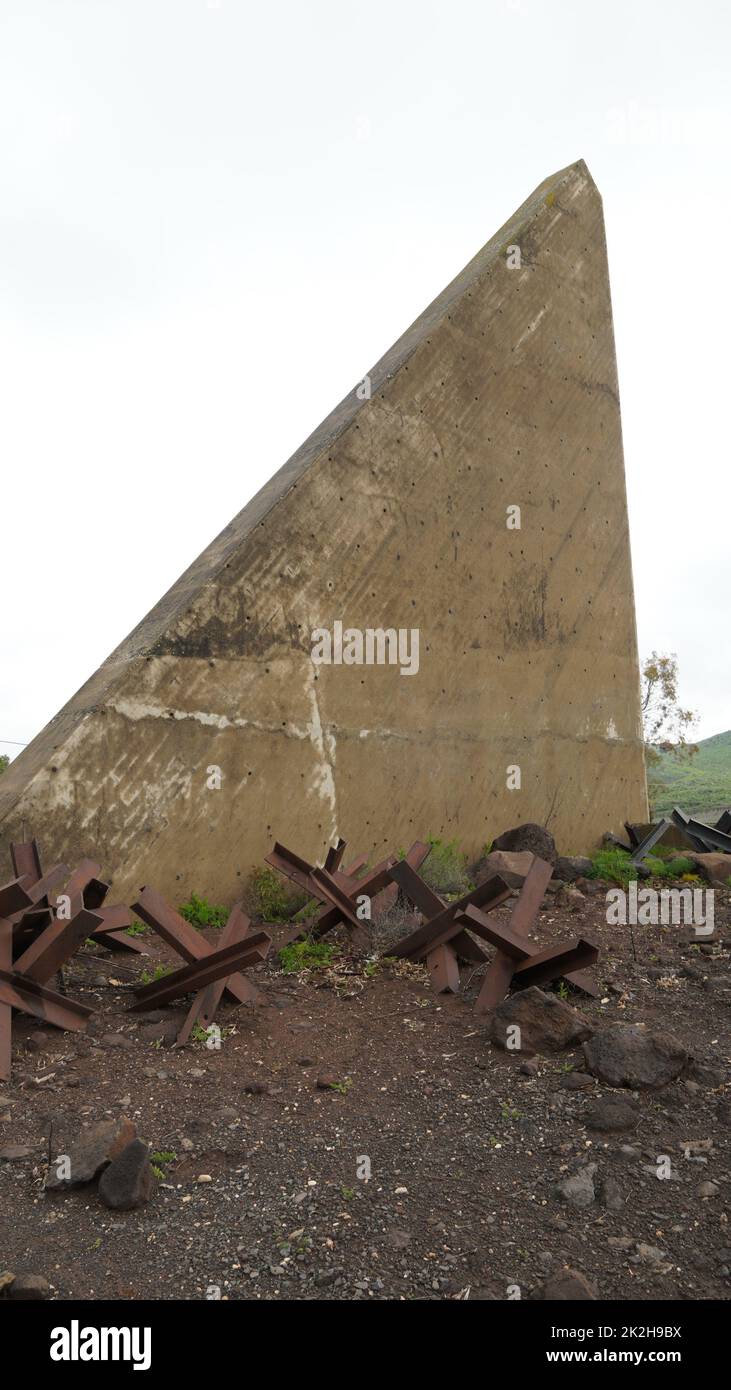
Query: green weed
306	955
203	914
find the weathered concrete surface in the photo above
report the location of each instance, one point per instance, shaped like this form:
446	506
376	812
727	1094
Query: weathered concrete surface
393	515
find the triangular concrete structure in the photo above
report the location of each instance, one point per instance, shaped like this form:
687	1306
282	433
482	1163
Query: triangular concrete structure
393	515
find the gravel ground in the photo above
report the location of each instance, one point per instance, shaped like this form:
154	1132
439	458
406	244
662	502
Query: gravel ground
264	1190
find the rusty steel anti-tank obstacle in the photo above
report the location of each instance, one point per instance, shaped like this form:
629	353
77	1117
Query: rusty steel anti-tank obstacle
37	939
208	972
447	936
338	890
447	933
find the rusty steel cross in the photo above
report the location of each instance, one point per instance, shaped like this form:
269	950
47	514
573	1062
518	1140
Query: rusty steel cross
336	889
445	937
209	973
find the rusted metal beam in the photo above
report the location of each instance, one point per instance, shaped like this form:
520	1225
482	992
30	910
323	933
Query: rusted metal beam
333	912
443	968
6	1012
334	856
507	940
555	961
54	946
14	897
332	892
206	1002
294	868
78	883
111	933
707	837
201	973
442	926
26	859
500	970
189	944
42	1002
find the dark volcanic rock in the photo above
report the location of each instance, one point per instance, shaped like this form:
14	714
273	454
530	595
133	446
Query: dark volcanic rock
546	1023
569	867
613	1115
129	1181
513	868
28	1286
92	1150
630	1055
534	838
569	1285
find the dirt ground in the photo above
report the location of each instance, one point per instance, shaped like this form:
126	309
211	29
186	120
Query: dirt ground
263	1191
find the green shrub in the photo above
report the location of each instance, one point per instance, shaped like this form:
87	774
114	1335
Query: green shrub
446	868
270	899
614	865
202	914
137	929
149	977
675	868
306	955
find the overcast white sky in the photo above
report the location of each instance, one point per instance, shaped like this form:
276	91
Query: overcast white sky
214	217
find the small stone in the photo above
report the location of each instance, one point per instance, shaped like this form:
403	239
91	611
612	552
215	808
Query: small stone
326	1082
577	1081
129	1181
613	1115
610	1195
579	1189
28	1286
568	1285
707	1189
163	1030
570	867
13	1153
204	1177
649	1254
114	1040
256	1088
707	1075
528	1068
397	1239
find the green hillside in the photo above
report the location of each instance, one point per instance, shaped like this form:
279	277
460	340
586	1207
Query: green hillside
702	784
